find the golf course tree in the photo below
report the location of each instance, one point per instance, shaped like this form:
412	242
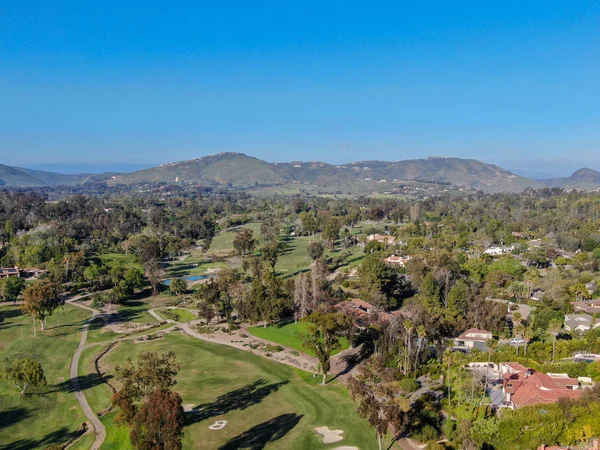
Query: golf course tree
147	404
159	422
11	288
323	332
24	373
40	300
154	272
244	242
376	407
316	250
178	286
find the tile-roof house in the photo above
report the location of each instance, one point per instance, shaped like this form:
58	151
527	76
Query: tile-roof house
397	260
580	322
587	306
524	387
472	338
383	238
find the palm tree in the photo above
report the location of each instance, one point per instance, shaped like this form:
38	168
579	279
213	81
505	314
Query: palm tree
491	346
518	331
527	337
178	286
518	290
421	333
404	360
554	328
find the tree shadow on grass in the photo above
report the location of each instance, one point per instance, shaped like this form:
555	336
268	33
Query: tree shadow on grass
257	437
84	383
12	416
249	395
6	313
56	437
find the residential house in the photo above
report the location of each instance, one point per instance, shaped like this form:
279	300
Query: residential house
383	238
397	260
6	272
580	322
472	338
587	306
524	387
358	309
537	294
363	312
497	250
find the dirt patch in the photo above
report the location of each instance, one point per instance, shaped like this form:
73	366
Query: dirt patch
127	327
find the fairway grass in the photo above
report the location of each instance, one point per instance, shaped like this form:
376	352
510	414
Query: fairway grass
288	335
48	415
267	405
178	314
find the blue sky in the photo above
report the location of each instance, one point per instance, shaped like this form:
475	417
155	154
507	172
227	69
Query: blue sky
512	83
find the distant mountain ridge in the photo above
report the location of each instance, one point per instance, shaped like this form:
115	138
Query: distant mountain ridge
584	178
243	171
240	170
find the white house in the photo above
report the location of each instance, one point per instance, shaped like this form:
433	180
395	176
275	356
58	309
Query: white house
496	250
472	338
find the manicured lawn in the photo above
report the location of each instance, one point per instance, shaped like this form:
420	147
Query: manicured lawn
288	336
51	414
295	257
177	314
223	242
267	405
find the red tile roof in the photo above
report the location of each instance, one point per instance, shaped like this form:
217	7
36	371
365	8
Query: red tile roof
530	387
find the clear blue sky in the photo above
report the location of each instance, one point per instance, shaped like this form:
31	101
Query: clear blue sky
513	83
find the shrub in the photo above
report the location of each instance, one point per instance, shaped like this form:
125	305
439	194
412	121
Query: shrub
408	385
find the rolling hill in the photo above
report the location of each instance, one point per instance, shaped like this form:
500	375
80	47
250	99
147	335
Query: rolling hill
242	171
10	176
236	169
581	179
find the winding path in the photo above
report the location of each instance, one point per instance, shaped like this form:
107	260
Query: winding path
99	428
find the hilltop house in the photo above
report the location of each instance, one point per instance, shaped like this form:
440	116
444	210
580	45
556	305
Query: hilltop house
524	387
397	260
580	322
587	306
472	338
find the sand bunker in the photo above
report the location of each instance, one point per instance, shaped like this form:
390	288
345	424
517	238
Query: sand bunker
218	425
329	436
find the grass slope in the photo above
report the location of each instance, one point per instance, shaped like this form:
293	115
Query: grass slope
47	415
267	405
288	336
